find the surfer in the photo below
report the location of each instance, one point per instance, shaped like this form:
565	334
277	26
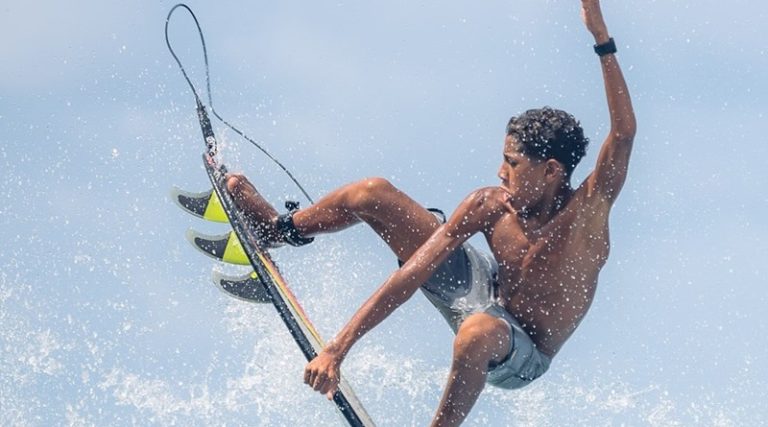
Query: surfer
512	310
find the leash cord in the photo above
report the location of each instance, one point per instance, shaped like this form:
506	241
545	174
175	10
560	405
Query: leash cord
210	96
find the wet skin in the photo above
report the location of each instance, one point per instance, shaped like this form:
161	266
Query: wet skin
550	241
548	261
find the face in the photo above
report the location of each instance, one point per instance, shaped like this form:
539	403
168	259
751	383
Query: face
522	176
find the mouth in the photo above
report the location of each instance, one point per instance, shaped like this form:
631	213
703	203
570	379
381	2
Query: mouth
509	196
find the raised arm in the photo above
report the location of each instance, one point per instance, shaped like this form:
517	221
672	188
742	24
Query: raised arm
611	170
476	213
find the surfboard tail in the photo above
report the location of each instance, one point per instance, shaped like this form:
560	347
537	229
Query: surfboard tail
264	284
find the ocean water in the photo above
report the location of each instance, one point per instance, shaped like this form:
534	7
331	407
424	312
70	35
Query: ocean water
90	343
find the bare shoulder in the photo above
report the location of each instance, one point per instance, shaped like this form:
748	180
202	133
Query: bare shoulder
487	199
481	209
589	204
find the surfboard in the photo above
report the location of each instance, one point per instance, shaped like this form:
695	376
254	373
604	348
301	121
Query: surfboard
242	246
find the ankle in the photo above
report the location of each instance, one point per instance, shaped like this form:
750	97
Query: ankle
286	229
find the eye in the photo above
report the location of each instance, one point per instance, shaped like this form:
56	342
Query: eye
510	161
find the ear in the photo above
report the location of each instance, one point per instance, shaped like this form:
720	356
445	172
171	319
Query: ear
554	170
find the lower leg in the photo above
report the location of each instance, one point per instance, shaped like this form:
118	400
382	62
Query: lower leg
329	214
480	340
399	220
333	212
465	383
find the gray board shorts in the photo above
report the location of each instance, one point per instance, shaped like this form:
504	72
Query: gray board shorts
465	284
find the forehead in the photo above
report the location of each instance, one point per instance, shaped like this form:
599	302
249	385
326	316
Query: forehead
512	147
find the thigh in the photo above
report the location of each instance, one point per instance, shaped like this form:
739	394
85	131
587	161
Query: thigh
485	337
399	220
523	363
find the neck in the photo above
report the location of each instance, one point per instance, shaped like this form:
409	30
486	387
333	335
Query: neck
548	207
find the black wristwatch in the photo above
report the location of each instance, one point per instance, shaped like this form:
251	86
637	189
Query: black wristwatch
606	48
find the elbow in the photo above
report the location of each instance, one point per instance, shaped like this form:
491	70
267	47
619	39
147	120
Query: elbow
625	133
624	138
624	126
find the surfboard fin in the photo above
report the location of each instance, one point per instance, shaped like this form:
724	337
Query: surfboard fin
204	205
247	287
225	247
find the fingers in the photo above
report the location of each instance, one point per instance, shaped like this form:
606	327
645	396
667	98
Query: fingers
232	180
312	376
325	385
506	201
235	182
320	381
508	207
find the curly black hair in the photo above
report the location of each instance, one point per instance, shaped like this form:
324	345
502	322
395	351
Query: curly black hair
547	133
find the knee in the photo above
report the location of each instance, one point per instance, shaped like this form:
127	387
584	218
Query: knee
480	339
369	193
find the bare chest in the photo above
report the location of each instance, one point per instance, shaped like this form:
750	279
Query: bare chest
548	275
564	252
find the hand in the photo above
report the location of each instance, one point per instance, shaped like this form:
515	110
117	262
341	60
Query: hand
505	197
323	373
593	19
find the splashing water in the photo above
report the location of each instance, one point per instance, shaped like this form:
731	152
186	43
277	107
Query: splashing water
62	368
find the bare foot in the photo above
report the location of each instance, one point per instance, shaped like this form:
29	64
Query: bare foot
259	212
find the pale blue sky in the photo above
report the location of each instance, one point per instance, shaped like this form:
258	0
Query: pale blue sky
108	317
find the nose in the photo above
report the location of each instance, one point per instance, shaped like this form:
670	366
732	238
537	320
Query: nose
502	174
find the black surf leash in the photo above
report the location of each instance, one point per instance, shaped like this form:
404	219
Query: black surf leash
200	106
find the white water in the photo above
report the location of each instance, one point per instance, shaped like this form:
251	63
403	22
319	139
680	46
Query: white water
164	359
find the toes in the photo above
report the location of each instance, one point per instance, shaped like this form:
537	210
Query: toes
233	182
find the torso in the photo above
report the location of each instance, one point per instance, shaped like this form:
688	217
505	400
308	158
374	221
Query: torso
548	276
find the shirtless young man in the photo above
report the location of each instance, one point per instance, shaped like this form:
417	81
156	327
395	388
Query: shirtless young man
513	311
